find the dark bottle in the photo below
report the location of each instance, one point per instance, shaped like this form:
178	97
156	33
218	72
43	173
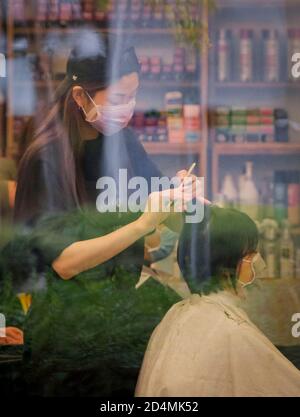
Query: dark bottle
281	125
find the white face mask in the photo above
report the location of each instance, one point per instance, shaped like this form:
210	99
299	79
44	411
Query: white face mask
110	119
256	270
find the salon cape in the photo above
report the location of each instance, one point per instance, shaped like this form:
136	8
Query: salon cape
207	347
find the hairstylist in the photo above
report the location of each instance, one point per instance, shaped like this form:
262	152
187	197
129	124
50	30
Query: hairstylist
85	137
88	330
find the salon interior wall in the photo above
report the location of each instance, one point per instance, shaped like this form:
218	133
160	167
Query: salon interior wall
148	98
280	18
25	104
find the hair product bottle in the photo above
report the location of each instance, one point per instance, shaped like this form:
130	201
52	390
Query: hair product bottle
246	55
286	253
271	56
269	228
248	194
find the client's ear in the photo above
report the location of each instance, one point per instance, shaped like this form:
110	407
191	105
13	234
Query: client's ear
244	272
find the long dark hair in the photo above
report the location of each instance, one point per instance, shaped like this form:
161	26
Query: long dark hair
61	122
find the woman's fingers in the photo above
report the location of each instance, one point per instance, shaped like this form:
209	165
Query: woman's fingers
181	174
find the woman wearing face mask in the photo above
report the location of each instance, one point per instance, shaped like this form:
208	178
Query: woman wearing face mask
206	345
82	138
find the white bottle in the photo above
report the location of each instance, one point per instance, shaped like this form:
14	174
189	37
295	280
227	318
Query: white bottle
271	56
246	55
286	253
248	194
223	56
270	248
229	191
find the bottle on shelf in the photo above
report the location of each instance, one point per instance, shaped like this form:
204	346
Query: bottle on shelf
65	13
179	64
192	120
191	64
77	12
175	121
229	191
281	122
167	72
223	56
158	15
221	121
53	13
280	195
146	17
88	9
269	228
294	198
286	253
135	13
145	67
271	55
246	55
267	197
19	14
100	15
248	193
155	68
162	129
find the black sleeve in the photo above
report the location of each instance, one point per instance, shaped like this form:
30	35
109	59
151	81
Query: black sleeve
39	192
41	207
143	164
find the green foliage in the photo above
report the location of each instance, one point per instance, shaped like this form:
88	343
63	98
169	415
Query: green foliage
10	305
88	335
94	329
188	29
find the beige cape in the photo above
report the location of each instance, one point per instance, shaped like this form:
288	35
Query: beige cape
206	346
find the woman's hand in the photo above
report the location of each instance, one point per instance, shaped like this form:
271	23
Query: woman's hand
193	190
157	210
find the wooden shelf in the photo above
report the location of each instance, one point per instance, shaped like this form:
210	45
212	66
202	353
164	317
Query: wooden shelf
254	84
181	84
246	149
40	30
143	83
254	148
166	148
169	83
256	3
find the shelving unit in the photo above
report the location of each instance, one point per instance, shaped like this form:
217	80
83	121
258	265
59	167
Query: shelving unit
156	149
166	148
211	92
248	149
257	16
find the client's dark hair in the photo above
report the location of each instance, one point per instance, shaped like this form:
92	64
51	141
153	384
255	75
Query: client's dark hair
209	249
